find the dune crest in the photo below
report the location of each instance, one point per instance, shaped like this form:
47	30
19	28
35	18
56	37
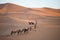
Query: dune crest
12	8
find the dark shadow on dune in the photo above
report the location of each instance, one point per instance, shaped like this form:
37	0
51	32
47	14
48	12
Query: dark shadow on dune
2	5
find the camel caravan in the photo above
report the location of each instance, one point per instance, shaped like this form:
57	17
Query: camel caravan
25	30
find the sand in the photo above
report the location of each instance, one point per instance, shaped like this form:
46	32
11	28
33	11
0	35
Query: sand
47	28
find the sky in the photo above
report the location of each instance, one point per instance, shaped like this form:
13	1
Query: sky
35	3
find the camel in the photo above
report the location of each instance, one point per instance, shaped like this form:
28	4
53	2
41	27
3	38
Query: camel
24	30
13	32
33	23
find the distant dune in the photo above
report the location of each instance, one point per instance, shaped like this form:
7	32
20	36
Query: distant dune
48	11
8	7
15	17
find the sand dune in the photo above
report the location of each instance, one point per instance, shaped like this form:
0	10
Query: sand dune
48	11
14	17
